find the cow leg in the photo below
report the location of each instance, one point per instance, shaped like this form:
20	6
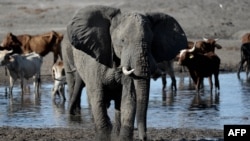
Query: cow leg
11	85
61	91
37	83
164	81
54	90
194	78
210	83
247	68
240	68
173	84
216	79
25	86
22	86
198	85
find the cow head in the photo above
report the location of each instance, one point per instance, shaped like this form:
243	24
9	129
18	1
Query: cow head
5	56
206	45
10	41
210	45
187	54
245	38
58	72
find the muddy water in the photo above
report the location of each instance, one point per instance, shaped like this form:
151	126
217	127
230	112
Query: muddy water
184	108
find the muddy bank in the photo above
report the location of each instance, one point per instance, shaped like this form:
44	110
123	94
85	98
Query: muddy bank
58	134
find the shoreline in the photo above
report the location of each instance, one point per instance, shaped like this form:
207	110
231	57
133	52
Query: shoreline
79	134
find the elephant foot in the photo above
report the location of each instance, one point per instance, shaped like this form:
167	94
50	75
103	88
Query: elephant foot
103	135
125	138
115	133
126	134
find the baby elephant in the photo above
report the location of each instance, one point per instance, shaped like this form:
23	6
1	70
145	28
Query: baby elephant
58	75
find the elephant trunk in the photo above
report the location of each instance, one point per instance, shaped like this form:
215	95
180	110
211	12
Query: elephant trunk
142	97
142	86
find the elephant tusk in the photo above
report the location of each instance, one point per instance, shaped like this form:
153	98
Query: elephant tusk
127	72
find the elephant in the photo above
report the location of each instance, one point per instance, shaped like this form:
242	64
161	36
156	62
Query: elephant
112	54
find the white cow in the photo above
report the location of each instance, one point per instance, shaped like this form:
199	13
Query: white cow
22	67
58	75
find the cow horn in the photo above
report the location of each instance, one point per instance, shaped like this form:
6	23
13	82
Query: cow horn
193	48
6	50
9	51
205	39
216	39
127	72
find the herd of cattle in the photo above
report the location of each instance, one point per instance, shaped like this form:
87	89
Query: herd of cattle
22	56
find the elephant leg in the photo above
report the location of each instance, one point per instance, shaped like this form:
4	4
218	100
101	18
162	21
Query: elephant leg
70	78
103	124
128	110
75	100
117	121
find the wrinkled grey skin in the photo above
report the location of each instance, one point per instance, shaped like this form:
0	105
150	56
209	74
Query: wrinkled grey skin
102	41
74	81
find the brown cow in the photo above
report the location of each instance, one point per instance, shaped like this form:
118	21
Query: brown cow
245	54
41	44
245	38
202	46
200	66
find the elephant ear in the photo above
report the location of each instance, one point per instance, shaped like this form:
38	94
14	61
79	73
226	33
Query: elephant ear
169	38
88	31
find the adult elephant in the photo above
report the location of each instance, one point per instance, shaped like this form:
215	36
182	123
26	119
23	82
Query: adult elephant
114	54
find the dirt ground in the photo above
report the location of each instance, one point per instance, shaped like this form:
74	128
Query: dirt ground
223	19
